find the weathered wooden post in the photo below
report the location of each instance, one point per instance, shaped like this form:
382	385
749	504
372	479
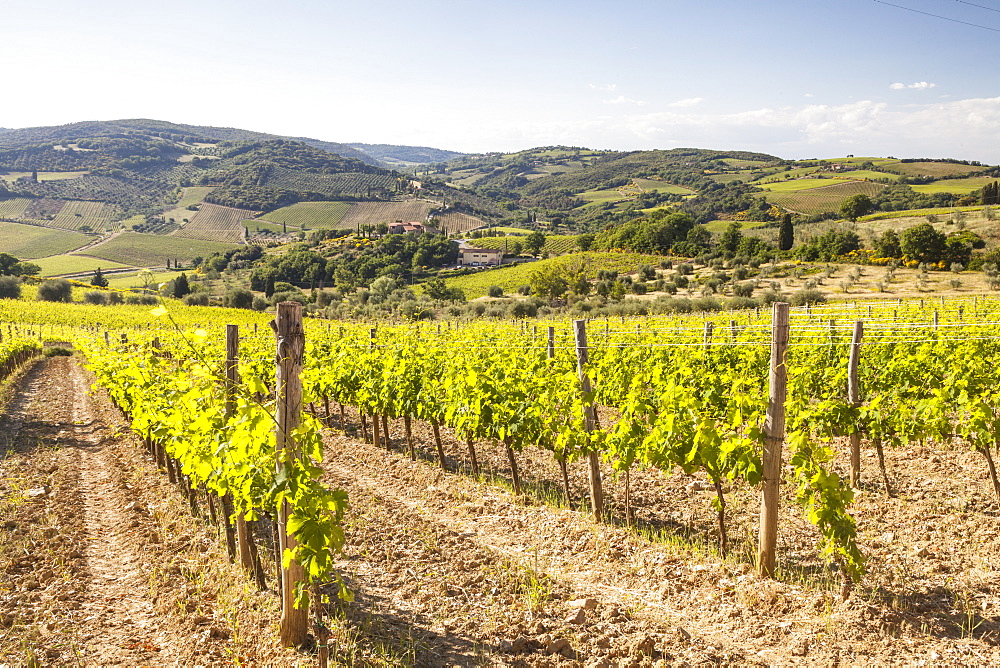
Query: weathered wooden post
589	420
290	337
774	430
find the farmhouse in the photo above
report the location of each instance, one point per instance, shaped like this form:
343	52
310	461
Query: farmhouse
416	228
479	257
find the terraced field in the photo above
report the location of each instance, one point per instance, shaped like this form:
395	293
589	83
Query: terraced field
152	250
373	213
216	223
29	242
310	215
827	198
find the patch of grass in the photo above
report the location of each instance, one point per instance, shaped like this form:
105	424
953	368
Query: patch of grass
311	215
139	280
151	250
34	241
72	264
663	187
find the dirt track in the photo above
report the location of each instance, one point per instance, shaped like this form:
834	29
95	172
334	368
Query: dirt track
100	562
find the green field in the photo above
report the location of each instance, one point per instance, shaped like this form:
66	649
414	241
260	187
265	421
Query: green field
723	225
138	280
72	264
911	213
663	187
955	186
193	195
257	225
511	277
822	200
373	213
934	169
28	242
312	215
737	162
43	176
152	250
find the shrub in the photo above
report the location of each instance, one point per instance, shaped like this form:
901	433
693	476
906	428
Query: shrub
95	297
524	290
259	303
495	291
805	297
743	289
523	309
243	298
10	287
58	290
196	299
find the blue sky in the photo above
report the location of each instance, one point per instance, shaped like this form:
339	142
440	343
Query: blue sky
796	78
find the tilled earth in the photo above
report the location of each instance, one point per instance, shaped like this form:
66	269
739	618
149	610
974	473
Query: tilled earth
453	571
101	563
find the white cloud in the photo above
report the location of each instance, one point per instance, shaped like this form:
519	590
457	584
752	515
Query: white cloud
919	85
604	87
967	129
687	102
808	95
621	99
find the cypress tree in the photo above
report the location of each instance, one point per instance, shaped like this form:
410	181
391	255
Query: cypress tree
181	287
786	233
99	280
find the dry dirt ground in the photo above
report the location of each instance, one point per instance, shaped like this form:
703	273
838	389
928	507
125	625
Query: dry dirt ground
450	571
101	563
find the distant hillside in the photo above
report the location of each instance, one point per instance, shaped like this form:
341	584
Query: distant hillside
178	131
406	155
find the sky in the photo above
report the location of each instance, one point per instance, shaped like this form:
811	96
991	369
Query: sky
793	78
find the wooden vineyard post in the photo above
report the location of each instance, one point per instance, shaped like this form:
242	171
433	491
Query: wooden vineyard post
552	341
288	395
709	327
589	420
854	398
232	382
774	431
376	441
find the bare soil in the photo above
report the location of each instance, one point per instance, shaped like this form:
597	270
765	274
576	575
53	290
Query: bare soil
101	563
449	570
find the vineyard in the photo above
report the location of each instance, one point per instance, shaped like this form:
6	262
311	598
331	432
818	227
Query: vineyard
342	183
820	199
95	216
932	169
216	223
454	222
373	213
555	244
741	488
